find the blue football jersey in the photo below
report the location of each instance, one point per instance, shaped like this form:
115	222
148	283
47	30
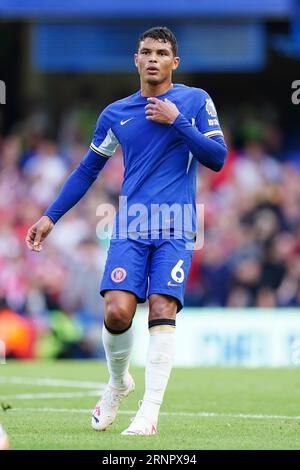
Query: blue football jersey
159	187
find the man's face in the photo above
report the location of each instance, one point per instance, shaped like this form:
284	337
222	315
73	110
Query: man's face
155	61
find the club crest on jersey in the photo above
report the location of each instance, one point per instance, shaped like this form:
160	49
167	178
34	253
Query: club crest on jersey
210	107
118	274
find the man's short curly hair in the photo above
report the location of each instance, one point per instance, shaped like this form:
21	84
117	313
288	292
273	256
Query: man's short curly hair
160	33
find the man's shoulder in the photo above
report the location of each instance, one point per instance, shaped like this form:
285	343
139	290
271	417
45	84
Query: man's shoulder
117	105
190	90
193	97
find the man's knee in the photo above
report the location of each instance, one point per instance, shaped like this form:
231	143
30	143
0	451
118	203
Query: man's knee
118	312
162	306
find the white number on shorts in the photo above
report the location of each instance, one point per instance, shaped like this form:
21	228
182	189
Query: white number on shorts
177	272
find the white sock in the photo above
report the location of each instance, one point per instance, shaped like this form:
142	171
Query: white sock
118	349
158	368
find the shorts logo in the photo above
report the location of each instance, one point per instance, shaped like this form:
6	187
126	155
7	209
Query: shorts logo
118	274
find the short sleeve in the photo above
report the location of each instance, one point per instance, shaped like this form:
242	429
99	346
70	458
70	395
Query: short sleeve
104	141
207	120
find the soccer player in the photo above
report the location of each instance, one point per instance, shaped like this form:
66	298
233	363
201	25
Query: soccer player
164	130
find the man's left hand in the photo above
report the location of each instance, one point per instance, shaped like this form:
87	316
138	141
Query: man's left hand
162	111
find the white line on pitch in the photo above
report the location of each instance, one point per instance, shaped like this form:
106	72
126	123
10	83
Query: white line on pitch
36	396
203	414
41	381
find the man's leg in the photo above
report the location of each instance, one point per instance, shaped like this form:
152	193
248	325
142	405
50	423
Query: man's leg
120	307
117	337
162	314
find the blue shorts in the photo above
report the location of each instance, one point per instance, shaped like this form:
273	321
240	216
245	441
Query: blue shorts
148	266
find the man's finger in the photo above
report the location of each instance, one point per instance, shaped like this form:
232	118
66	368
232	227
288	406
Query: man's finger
30	235
153	99
31	246
38	237
37	248
28	243
152	117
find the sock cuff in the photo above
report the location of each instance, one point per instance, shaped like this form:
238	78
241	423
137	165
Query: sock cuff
116	332
163	324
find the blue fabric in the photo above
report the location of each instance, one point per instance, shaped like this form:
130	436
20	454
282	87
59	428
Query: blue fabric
158	162
211	152
76	185
130	262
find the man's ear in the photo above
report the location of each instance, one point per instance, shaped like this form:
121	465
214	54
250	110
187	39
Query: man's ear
176	63
135	59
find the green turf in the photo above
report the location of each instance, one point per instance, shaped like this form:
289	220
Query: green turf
225	391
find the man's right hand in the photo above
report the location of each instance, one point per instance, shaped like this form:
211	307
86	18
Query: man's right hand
38	232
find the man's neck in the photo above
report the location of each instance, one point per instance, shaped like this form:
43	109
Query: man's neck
155	90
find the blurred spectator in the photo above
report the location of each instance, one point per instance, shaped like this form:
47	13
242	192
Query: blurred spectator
16	333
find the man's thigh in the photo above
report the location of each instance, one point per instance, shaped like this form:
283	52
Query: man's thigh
169	268
127	267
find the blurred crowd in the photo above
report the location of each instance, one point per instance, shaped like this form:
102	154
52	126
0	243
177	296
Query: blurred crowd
251	255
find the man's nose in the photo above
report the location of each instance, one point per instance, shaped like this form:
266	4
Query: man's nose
153	57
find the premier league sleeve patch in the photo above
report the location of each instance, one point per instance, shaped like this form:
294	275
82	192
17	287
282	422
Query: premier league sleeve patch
210	107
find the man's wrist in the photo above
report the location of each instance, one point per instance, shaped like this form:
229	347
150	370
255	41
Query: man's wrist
174	118
178	119
49	217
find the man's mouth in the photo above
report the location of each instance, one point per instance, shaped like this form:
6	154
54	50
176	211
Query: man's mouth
152	70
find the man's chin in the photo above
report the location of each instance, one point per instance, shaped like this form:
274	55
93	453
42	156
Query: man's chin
154	81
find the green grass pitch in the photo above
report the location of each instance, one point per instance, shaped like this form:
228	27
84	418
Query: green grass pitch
204	408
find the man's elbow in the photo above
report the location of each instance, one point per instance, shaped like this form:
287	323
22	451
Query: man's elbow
218	165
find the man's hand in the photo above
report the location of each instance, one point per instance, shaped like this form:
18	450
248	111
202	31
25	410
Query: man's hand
164	112
38	232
